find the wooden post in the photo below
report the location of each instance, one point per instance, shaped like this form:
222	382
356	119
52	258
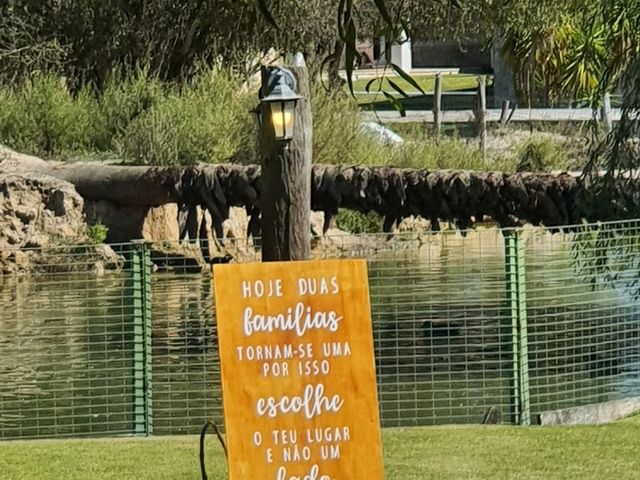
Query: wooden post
286	177
482	112
606	112
437	105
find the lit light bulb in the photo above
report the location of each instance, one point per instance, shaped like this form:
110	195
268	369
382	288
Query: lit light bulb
280	119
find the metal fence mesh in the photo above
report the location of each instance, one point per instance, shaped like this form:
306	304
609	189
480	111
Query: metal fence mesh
438	306
584	316
185	358
66	348
88	351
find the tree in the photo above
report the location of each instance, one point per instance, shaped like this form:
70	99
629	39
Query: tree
556	48
22	47
170	37
618	152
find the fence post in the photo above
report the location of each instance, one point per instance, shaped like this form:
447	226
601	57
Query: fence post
437	105
481	113
517	302
606	112
142	372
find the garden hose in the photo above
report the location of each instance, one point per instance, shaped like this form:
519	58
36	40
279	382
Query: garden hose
203	433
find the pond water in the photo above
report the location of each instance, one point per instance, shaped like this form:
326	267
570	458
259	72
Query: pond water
442	335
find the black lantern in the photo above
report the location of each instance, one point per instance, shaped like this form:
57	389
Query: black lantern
282	98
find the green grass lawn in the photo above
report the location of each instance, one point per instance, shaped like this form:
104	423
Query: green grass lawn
438	453
451	82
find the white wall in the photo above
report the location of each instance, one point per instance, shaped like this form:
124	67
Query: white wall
401	55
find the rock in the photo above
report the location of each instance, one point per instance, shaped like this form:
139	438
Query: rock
124	223
414	224
236	226
20	259
184	258
56	259
37	241
98	269
12	161
109	259
317	222
127	223
40	217
160	223
56	203
39	210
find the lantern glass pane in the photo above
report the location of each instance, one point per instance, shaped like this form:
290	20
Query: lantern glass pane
283	118
279	120
289	118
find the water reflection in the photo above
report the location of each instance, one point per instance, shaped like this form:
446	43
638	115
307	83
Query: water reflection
65	363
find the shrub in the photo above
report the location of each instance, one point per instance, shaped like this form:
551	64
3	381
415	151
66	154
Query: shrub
206	121
97	233
135	116
8	110
356	222
540	154
146	121
337	130
452	153
339	138
43	118
122	100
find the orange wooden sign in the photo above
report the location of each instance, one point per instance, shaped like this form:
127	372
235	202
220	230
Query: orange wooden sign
298	372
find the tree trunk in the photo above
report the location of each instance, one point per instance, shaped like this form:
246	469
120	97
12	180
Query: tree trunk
503	78
286	178
335	81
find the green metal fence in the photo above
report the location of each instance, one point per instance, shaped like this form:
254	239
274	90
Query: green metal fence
68	347
101	342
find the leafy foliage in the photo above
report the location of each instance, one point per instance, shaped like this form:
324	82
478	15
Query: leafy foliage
142	120
86	40
611	175
42	116
207	120
575	49
340	138
22	47
356	222
612	170
608	256
558	47
123	99
97	233
136	117
539	154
